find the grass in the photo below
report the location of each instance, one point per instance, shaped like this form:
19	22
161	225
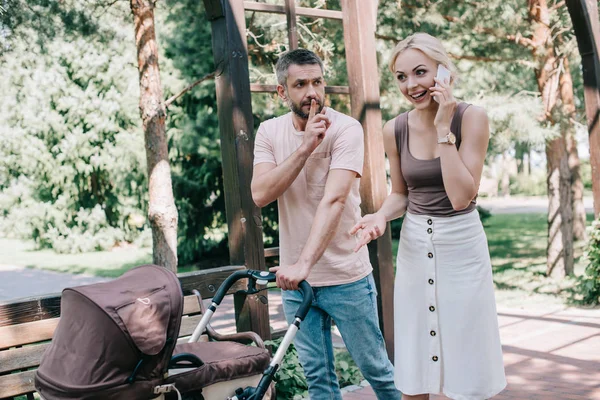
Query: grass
517	244
102	263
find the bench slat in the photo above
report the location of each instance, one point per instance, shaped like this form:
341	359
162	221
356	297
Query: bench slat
22	357
190	305
30	309
39	308
29	332
188	324
17	384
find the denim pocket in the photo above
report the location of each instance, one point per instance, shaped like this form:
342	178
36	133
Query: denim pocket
317	171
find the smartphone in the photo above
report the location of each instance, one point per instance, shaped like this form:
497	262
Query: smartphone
442	73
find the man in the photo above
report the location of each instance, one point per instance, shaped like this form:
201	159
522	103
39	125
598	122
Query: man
311	160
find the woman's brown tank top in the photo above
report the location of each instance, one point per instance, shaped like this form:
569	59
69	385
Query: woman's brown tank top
426	192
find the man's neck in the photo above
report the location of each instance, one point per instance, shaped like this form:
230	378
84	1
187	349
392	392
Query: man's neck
298	122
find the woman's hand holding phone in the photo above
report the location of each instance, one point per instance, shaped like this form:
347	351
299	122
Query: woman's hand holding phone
442	93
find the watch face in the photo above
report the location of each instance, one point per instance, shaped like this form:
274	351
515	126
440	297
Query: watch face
451	138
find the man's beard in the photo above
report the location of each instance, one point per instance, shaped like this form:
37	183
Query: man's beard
297	108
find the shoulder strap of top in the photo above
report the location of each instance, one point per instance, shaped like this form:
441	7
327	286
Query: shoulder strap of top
400	130
456	124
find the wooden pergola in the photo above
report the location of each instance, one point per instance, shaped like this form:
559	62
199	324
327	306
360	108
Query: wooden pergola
584	15
237	138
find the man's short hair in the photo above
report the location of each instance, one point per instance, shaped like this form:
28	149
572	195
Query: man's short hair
297	57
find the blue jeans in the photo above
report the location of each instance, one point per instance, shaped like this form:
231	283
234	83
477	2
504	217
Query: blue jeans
353	307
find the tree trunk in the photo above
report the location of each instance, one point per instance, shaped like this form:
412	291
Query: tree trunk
568	131
560	200
161	211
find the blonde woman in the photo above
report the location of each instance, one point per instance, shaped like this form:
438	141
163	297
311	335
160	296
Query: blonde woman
446	329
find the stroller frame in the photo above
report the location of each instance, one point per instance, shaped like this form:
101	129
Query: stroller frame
261	278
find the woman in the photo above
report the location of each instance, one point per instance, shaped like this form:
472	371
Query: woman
446	328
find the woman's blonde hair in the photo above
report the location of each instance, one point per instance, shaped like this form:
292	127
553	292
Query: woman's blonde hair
427	44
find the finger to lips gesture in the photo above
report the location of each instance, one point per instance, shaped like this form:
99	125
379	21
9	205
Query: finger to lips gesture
447	102
317	125
370	227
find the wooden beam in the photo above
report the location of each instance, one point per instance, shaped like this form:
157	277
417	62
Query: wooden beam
272	252
260	88
302	11
290	13
363	78
234	106
584	15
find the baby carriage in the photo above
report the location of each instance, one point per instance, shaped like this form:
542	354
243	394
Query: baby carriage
118	340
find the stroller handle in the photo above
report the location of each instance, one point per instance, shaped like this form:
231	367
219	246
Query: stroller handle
262	277
307	299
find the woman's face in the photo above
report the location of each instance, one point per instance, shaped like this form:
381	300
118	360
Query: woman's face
414	72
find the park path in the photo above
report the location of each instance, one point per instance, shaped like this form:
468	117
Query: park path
548	355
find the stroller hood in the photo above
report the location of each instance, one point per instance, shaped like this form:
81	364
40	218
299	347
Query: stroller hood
114	337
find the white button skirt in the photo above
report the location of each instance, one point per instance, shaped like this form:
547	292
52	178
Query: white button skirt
445	322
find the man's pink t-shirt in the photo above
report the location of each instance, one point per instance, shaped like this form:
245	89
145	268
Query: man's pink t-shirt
342	148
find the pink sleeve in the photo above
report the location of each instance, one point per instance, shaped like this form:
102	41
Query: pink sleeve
349	149
263	148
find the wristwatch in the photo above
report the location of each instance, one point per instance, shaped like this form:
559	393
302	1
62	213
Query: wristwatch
450	138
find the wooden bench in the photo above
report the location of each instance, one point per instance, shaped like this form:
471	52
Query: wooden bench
27	326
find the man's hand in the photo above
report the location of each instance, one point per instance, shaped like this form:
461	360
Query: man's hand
372	225
315	129
289	276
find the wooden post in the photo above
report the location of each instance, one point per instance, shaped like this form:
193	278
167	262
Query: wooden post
244	220
363	79
290	12
584	15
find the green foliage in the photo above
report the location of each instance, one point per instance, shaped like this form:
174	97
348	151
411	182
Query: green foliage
586	173
515	119
290	382
72	160
533	184
72	156
588	285
346	370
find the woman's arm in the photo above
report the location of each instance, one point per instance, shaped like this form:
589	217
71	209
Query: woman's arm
461	169
394	206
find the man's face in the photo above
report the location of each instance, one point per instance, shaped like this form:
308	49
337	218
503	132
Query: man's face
304	83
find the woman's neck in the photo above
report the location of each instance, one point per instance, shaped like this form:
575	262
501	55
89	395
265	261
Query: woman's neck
425	117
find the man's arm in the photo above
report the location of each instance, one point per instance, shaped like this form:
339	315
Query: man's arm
269	181
323	229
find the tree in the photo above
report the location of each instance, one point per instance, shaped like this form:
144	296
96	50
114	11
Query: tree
161	211
560	212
